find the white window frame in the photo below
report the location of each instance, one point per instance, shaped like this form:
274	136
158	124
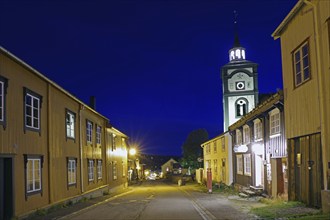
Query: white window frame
99	169
238	137
89	132
246	134
70	124
33	175
90	168
114	170
98	134
34	108
301	64
274	123
239	163
247	164
2	101
257	130
72	171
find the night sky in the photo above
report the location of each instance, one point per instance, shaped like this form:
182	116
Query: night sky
153	66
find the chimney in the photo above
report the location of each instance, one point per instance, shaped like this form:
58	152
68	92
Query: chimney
92	102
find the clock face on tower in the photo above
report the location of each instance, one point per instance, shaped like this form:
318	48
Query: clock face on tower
240	85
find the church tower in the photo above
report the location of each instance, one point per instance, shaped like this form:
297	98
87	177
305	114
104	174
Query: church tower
239	83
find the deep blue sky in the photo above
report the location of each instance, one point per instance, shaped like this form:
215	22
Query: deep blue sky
153	66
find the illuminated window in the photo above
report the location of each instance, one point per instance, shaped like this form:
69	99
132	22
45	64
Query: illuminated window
33	175
90	169
113	142
301	64
98	135
124	168
70	124
32	107
239	163
99	169
275	122
114	170
238	137
72	172
247	164
89	132
246	134
257	130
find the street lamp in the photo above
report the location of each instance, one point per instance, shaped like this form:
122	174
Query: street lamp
132	153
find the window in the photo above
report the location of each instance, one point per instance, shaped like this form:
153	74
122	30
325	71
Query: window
72	172
215	146
99	169
123	167
215	162
238	137
89	130
247	164
114	170
301	64
223	145
241	107
239	163
246	134
70	124
113	145
257	130
90	170
33	174
274	122
32	108
98	135
3	85
208	149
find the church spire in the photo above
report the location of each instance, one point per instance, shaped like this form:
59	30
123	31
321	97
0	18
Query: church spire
237	53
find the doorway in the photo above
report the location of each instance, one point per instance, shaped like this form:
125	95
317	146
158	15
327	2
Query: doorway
6	188
259	171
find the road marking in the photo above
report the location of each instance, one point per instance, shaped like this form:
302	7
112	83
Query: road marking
202	211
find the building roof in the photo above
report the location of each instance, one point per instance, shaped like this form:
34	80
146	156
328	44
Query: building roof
277	33
261	108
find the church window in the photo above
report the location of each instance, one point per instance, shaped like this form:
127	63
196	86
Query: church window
241	107
301	64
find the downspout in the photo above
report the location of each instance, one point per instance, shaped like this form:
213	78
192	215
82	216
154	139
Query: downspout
81	153
320	95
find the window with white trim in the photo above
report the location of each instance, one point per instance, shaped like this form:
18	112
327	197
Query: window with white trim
208	148
32	107
33	175
247	164
70	124
99	169
2	100
89	132
274	119
246	134
301	64
114	170
215	147
98	135
72	172
238	137
90	169
239	163
257	130
241	107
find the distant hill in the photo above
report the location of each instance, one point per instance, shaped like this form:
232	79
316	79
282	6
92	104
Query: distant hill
154	162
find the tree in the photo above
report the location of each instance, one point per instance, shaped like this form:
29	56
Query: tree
191	148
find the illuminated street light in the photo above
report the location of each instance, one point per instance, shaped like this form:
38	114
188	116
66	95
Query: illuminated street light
132	151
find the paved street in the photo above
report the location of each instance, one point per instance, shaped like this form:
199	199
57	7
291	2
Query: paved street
160	200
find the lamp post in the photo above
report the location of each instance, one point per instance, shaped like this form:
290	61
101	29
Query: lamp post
132	153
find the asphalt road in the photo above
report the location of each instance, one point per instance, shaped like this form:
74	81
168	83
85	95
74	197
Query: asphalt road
159	200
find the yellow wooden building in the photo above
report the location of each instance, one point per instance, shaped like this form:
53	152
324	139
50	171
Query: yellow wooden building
305	49
52	145
217	155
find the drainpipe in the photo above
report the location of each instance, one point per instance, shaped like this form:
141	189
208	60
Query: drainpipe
81	153
50	189
320	81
